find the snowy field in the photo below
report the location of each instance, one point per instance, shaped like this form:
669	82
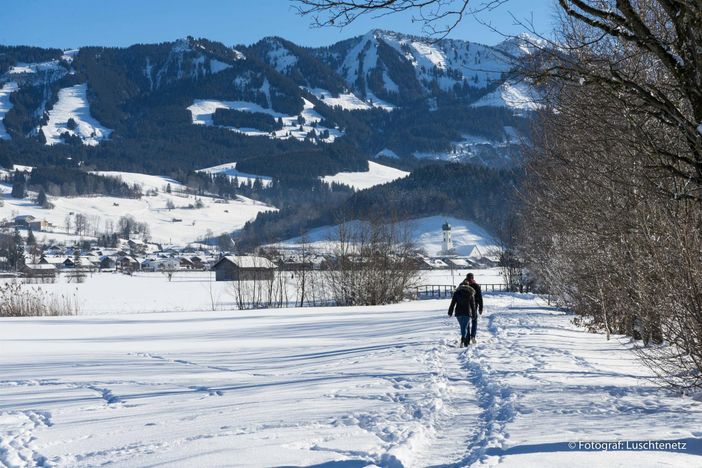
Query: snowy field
215	217
188	291
203	110
345	101
376	174
337	387
425	232
230	170
518	96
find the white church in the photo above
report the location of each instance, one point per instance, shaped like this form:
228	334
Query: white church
447	242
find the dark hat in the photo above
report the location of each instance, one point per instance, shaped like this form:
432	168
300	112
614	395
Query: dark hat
469	275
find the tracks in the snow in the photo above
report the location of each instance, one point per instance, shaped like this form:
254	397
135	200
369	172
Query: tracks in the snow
488	404
16	442
496	401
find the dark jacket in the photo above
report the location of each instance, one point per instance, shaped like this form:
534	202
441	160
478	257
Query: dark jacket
478	296
463	301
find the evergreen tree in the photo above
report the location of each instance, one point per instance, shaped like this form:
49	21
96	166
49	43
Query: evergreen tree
31	240
15	255
42	200
19	186
225	243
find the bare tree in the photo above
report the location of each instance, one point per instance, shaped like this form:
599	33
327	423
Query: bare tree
614	178
644	54
438	17
613	189
374	263
81	224
655	70
109	226
303	272
258	288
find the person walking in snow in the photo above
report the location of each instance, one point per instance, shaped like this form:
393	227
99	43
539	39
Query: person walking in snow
479	305
463	303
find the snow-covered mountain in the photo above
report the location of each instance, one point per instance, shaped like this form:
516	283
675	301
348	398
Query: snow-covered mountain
400	67
380	92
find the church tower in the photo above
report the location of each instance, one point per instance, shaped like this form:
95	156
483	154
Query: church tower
447	243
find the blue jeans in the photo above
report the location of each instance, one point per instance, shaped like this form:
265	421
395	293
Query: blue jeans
469	325
464	322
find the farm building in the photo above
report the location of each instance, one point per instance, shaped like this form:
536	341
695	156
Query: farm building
128	264
39	225
23	220
243	268
39	270
107	263
57	261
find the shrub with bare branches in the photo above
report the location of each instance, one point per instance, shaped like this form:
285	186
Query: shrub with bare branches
18	300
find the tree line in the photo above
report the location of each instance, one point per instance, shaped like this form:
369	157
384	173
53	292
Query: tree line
612	223
453	189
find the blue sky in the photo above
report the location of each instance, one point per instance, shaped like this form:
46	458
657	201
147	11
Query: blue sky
65	24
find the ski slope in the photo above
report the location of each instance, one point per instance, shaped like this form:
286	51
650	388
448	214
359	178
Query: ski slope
446	62
353	387
73	104
5	105
376	174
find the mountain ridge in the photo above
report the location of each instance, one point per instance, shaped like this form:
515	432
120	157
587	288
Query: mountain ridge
360	96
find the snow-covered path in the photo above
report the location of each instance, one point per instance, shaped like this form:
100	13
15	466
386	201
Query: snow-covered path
337	387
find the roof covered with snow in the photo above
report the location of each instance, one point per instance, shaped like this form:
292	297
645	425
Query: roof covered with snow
248	261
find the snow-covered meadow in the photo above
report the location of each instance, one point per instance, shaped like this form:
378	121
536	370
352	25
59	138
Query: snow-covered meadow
376	174
230	170
103	293
180	225
469	239
203	110
517	96
353	387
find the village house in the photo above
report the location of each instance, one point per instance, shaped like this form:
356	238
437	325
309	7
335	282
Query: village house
458	262
39	225
54	250
160	264
137	247
244	268
55	260
128	264
107	263
23	220
39	270
198	262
